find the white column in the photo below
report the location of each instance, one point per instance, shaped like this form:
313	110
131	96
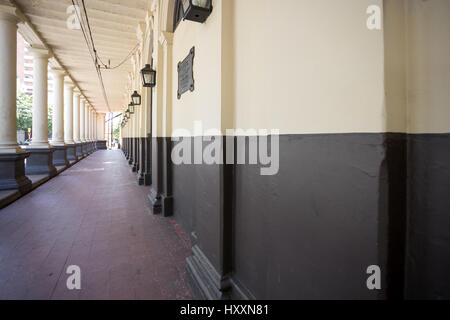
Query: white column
58	108
76	116
8	58
95	126
86	122
40	98
68	113
101	127
82	120
91	124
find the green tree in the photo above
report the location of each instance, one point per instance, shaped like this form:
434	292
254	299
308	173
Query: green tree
24	112
50	120
116	132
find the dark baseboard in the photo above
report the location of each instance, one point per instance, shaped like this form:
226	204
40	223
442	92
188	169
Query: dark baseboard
203	280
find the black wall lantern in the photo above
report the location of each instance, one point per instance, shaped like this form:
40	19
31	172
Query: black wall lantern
127	114
148	77
136	99
131	108
197	10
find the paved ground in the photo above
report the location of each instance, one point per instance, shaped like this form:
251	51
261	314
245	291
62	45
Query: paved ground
95	216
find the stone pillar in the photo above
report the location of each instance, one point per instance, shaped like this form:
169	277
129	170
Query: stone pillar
58	144
82	129
101	143
12	157
69	122
86	127
40	161
76	124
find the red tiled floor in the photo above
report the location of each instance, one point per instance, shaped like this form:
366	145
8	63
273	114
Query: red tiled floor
95	216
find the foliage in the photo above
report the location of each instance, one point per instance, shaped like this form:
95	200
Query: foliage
116	132
25	113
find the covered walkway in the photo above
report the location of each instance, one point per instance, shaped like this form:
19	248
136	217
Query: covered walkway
94	216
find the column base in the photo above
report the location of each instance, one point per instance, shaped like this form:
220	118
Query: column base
85	150
60	156
40	162
79	150
12	172
167	206
204	282
140	179
72	152
101	145
155	201
147	179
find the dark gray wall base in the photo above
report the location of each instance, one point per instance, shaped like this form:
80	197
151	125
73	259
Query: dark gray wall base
135	165
148	161
12	172
239	291
60	156
428	225
155	201
339	203
72	152
40	162
101	145
148	179
167	206
203	280
142	157
130	152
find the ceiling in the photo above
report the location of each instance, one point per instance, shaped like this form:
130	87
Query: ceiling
114	26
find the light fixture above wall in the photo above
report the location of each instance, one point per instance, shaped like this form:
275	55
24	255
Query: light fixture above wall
136	99
197	10
148	77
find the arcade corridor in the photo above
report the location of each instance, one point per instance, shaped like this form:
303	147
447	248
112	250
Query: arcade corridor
94	216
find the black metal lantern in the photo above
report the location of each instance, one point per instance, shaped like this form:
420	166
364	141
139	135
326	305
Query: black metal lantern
148	77
136	99
197	10
127	114
131	108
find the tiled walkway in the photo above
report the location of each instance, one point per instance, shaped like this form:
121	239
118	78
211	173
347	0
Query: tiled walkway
95	216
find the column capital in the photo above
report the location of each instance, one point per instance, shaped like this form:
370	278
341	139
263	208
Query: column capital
58	72
166	38
9	13
40	52
68	84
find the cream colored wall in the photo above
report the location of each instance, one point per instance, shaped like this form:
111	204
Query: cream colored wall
204	103
428	73
308	66
314	67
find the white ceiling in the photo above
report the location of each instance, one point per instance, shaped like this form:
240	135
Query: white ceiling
114	28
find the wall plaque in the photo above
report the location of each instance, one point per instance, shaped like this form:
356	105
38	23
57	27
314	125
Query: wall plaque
186	74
